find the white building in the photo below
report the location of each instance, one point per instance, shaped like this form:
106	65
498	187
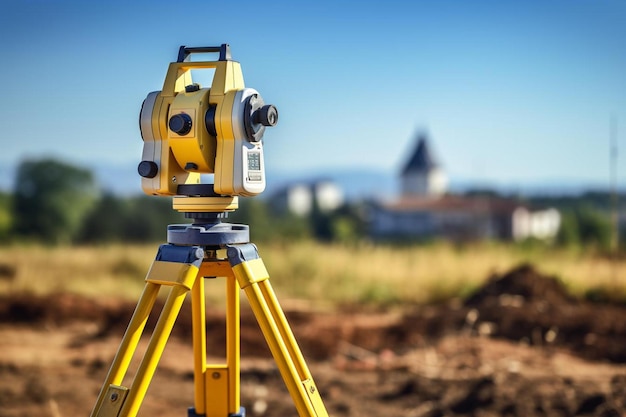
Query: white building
539	224
301	198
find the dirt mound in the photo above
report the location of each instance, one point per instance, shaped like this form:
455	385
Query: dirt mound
522	284
526	306
54	308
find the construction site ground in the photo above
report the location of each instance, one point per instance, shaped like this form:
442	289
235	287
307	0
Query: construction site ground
520	346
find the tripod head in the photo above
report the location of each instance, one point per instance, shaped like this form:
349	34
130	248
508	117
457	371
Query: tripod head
188	130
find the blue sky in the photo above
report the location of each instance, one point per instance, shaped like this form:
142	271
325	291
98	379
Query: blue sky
509	92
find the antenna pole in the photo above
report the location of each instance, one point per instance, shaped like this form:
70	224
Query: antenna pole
614	194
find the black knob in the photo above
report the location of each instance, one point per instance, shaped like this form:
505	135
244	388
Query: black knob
148	169
266	115
180	123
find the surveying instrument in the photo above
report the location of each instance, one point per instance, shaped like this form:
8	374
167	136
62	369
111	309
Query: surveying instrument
187	131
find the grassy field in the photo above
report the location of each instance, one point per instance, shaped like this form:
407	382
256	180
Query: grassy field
326	275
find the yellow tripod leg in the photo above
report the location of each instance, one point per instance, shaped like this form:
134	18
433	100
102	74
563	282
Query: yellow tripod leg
154	351
127	347
216	386
253	278
198	322
174	266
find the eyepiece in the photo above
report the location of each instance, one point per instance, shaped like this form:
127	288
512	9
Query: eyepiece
266	115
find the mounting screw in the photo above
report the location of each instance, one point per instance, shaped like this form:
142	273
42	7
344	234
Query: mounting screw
216	375
312	389
114	397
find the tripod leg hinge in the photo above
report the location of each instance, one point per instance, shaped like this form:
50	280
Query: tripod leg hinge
176	265
238	254
246	264
113	401
315	398
181	254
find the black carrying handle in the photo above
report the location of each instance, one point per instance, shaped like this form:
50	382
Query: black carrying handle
223	49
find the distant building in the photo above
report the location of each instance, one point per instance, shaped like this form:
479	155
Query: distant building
422	175
300	198
425	209
540	224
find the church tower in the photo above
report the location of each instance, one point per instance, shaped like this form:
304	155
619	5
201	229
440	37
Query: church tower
422	176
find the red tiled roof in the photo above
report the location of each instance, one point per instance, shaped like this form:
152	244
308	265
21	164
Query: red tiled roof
453	203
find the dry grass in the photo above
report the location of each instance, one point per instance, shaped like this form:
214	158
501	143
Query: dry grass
324	274
422	274
103	271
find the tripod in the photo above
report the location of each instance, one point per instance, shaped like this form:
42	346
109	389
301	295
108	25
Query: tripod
207	248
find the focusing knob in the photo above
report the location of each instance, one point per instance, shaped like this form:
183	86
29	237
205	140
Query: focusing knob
266	115
148	169
180	123
209	120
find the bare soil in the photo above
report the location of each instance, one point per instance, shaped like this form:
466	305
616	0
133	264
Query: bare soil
520	346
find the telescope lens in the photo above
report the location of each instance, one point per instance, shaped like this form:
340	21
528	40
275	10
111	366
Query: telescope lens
266	115
258	116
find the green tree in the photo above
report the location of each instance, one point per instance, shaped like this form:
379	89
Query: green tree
147	218
5	216
594	228
105	222
130	219
569	232
321	223
585	226
50	200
